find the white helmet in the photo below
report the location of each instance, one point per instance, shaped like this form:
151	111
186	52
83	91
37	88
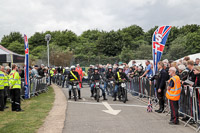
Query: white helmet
72	67
121	67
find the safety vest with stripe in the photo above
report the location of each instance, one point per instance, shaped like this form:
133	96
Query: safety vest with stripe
118	75
14	80
2	76
6	78
174	93
73	76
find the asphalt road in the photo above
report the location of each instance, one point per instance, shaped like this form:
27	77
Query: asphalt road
86	116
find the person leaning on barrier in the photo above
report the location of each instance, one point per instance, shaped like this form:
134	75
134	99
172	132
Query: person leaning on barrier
148	73
161	79
197	76
2	78
173	94
15	86
73	76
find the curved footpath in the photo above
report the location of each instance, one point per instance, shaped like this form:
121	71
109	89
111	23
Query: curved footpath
54	122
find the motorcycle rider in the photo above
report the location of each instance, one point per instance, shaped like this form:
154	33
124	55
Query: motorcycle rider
109	76
73	76
119	77
97	77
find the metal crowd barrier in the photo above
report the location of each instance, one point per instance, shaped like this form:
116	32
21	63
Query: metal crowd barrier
141	87
189	103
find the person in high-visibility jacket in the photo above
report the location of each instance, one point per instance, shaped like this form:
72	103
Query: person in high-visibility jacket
6	84
51	74
73	76
173	94
119	77
2	77
15	86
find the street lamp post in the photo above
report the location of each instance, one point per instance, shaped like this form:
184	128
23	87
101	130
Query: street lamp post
48	38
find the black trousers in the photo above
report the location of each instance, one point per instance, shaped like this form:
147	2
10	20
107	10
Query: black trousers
174	111
161	97
6	89
15	97
2	100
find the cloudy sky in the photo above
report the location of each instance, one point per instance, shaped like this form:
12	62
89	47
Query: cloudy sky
30	16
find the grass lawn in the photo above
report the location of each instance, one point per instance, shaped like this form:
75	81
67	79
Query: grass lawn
36	110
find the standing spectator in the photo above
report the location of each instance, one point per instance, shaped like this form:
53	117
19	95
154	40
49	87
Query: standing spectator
34	73
15	86
2	77
197	62
126	70
190	66
41	70
6	85
173	94
80	73
148	73
197	76
160	86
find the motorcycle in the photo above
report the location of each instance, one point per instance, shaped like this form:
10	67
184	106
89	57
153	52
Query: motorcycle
74	89
97	90
122	92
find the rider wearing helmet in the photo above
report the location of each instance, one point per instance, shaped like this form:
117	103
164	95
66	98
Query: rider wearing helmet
73	76
119	76
109	76
97	77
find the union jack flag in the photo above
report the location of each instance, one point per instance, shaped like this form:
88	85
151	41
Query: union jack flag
158	43
26	67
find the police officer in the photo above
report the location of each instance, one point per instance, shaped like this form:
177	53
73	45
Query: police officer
173	94
96	76
73	76
2	77
119	76
15	86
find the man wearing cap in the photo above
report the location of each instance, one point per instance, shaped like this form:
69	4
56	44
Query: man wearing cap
80	72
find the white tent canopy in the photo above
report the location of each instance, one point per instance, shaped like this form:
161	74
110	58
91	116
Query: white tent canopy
7	56
192	57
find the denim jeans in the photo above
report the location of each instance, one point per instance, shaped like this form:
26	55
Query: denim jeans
101	87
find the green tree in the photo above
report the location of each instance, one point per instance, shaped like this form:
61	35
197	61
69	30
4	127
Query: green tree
177	49
16	47
12	37
126	54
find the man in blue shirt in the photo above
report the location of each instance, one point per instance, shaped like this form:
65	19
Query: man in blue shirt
148	71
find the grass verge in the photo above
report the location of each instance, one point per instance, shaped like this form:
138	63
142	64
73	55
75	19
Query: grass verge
36	110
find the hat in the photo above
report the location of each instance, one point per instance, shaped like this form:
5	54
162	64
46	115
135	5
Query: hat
36	66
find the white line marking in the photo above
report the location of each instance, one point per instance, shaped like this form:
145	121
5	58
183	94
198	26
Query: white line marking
122	105
110	109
